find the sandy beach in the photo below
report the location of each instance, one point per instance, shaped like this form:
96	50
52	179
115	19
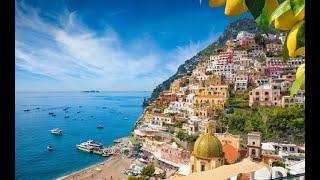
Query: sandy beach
112	167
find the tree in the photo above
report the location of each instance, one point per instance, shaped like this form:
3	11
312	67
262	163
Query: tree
288	16
148	170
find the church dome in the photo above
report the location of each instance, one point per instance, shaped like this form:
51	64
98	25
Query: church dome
208	146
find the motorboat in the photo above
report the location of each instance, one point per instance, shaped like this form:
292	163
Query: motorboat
100	126
50	148
90	146
85	147
56	131
94	144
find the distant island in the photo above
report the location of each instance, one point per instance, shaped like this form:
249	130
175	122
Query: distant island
91	91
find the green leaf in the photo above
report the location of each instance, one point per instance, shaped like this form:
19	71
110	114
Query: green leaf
285	49
282	8
297	6
300	37
258	9
255	7
296	85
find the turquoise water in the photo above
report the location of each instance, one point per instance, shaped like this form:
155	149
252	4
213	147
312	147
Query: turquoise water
34	161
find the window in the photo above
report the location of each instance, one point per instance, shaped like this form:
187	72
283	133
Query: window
292	149
266	93
253	142
202	167
253	152
284	148
257	93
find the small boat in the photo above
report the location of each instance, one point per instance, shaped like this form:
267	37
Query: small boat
78	112
50	148
37	108
126	118
54	115
80	106
50	113
26	110
104	107
105	154
66	116
100	126
56	131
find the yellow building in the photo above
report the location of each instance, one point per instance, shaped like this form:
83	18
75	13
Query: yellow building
207	153
215	101
220	90
175	86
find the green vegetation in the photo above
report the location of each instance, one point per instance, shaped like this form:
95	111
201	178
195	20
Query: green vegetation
148	170
278	163
179	124
274	123
239	101
185	137
134	141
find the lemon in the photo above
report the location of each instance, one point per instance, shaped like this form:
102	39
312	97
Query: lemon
216	3
285	21
292	41
300	72
235	7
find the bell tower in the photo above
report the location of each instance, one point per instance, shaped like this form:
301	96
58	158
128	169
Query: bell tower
254	145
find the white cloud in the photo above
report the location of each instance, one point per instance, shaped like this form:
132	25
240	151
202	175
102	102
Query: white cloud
65	49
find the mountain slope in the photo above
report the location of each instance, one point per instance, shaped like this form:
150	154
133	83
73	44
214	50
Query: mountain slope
230	32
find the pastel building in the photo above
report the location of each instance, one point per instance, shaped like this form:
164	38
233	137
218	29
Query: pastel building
241	82
266	95
274	47
171	152
246	42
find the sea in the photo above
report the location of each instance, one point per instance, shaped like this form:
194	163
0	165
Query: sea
117	111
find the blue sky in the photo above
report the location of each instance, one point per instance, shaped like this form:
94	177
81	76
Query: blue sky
109	45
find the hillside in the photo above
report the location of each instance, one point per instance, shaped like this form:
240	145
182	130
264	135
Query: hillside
230	32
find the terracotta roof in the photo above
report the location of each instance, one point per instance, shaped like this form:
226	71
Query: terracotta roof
230	153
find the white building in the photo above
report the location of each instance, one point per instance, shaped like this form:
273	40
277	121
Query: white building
268	149
221	69
241	82
174	107
244	34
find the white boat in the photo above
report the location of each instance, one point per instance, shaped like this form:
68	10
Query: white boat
90	146
56	131
85	147
94	144
50	148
